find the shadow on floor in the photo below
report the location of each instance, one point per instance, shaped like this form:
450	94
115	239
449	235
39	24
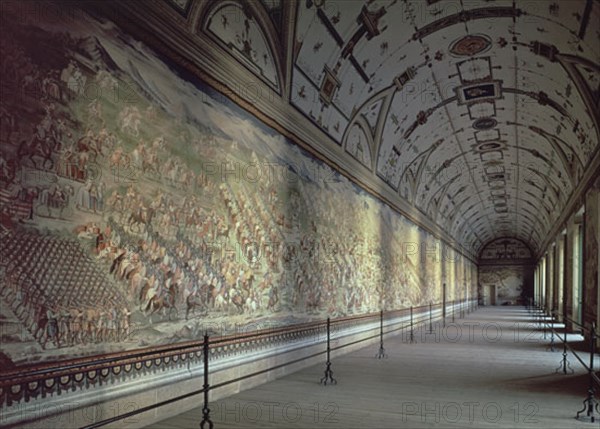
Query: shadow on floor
575	385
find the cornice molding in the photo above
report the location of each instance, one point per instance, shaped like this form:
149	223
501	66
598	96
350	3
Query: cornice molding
507	263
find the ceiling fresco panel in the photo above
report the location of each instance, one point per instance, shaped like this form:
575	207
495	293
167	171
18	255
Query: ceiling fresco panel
236	28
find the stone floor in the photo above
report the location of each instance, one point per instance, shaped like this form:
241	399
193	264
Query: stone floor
491	369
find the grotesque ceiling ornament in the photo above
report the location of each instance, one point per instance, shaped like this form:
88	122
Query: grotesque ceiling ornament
470	45
484	123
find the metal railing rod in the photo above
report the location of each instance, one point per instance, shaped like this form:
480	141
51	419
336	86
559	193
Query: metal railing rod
143	410
568	319
573	351
577	357
351	343
263	371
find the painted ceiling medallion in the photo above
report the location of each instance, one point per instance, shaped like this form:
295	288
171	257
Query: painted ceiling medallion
484	123
470	45
329	85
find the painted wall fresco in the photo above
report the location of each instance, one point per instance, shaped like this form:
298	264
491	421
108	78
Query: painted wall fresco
506	248
505	285
505	272
138	208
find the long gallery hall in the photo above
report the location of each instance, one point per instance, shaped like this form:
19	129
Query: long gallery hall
299	214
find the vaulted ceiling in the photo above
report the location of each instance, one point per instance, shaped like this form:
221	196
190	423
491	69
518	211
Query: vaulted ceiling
483	115
476	113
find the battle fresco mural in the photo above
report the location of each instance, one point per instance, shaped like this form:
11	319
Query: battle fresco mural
509	284
138	207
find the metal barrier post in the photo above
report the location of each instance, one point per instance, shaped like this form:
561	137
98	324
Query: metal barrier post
412	336
544	321
590	403
444	304
381	354
328	372
551	325
564	363
205	410
430	319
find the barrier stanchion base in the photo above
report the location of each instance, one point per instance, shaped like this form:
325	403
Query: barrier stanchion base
381	354
590	405
328	378
564	367
206	421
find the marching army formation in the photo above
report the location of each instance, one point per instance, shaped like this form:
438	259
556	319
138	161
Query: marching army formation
123	218
54	288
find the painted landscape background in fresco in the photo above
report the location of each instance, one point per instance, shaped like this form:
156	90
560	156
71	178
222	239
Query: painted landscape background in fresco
139	209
